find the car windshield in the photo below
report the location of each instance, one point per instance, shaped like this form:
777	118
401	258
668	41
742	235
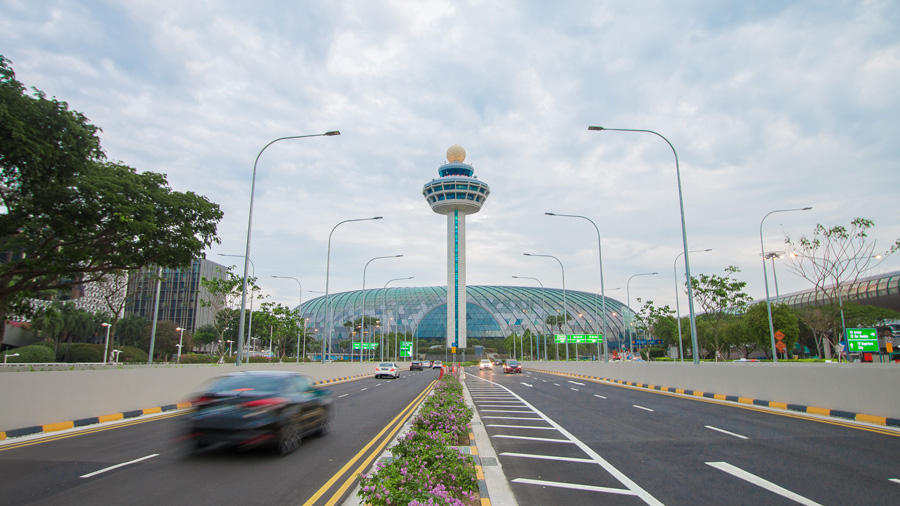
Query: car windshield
385	364
246	384
512	363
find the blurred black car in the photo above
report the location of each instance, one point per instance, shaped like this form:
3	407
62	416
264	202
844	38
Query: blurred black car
253	408
415	365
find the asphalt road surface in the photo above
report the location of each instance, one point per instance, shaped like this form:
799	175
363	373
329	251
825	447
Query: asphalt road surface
142	461
568	442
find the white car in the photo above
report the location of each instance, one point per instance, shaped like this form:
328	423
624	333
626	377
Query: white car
387	369
437	364
486	364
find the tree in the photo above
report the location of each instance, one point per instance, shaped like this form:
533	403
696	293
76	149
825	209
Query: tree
130	330
223	296
831	259
206	336
70	216
112	289
784	320
659	322
866	316
720	297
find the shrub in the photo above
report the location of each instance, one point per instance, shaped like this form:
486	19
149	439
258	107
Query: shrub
84	352
198	358
132	354
31	354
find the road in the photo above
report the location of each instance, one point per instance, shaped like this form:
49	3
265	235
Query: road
78	467
565	441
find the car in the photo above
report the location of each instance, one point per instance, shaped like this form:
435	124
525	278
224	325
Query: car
485	364
415	365
512	366
498	362
258	408
387	369
437	364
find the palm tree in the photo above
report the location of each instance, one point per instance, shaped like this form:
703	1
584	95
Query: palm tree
49	323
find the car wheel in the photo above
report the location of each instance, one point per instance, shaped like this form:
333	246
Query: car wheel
289	439
325	428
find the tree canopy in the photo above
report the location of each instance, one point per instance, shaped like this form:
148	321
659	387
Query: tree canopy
69	215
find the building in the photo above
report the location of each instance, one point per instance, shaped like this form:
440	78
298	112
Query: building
491	312
455	194
179	297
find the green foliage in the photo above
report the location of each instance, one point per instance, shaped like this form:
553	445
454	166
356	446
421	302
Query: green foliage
83	352
31	354
198	358
77	215
425	469
131	354
720	297
784	319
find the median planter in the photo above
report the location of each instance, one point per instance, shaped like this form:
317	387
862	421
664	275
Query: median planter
425	467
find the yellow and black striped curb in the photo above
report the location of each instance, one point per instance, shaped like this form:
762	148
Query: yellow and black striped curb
837	413
479	472
53	427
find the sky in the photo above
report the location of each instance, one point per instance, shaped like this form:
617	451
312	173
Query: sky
769	104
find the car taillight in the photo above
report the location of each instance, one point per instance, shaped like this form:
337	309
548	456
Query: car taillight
203	399
268	402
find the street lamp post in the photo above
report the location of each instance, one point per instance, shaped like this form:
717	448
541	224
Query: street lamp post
250	322
330	317
565	306
362	317
180	341
7	355
762	250
250	224
677	307
106	346
544	303
630	311
602	290
687	260
299	314
772	255
387	321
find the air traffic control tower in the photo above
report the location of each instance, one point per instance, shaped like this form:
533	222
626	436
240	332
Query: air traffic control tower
456	193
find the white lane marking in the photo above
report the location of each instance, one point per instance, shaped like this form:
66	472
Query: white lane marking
760	482
624	480
498	406
642	407
519	426
364	389
573	388
509	418
895	480
549	440
545	381
345	395
576	383
557	384
575	486
548	457
710	427
527	385
110	468
600	396
378	385
502	411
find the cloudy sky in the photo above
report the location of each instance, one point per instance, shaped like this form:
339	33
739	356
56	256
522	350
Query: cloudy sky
770	104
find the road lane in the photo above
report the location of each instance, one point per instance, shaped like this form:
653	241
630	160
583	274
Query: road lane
49	470
668	450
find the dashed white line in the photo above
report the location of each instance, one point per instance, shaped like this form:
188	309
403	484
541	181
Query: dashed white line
575	486
110	468
509	418
760	482
557	384
600	396
642	407
710	427
519	426
549	440
548	457
527	385
364	389
895	480
345	395
576	383
573	388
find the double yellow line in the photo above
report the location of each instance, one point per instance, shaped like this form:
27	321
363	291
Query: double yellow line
368	453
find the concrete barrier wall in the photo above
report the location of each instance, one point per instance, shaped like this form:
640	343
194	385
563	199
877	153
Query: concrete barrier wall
29	398
872	389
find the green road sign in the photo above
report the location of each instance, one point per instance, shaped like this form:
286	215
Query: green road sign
578	338
406	348
860	340
365	346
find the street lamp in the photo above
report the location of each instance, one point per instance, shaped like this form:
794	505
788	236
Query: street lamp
631	313
180	341
677	307
299	314
565	307
762	250
250	224
106	346
387	321
329	319
7	355
602	291
229	345
250	323
687	260
544	302
115	354
362	318
772	255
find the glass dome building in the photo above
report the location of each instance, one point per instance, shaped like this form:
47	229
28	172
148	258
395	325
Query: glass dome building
492	311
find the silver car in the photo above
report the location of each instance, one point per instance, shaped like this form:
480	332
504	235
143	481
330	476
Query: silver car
387	369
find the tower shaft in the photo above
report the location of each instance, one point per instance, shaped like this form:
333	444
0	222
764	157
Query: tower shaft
456	278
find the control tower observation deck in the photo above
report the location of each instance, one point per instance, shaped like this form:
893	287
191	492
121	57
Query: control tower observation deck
456	193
